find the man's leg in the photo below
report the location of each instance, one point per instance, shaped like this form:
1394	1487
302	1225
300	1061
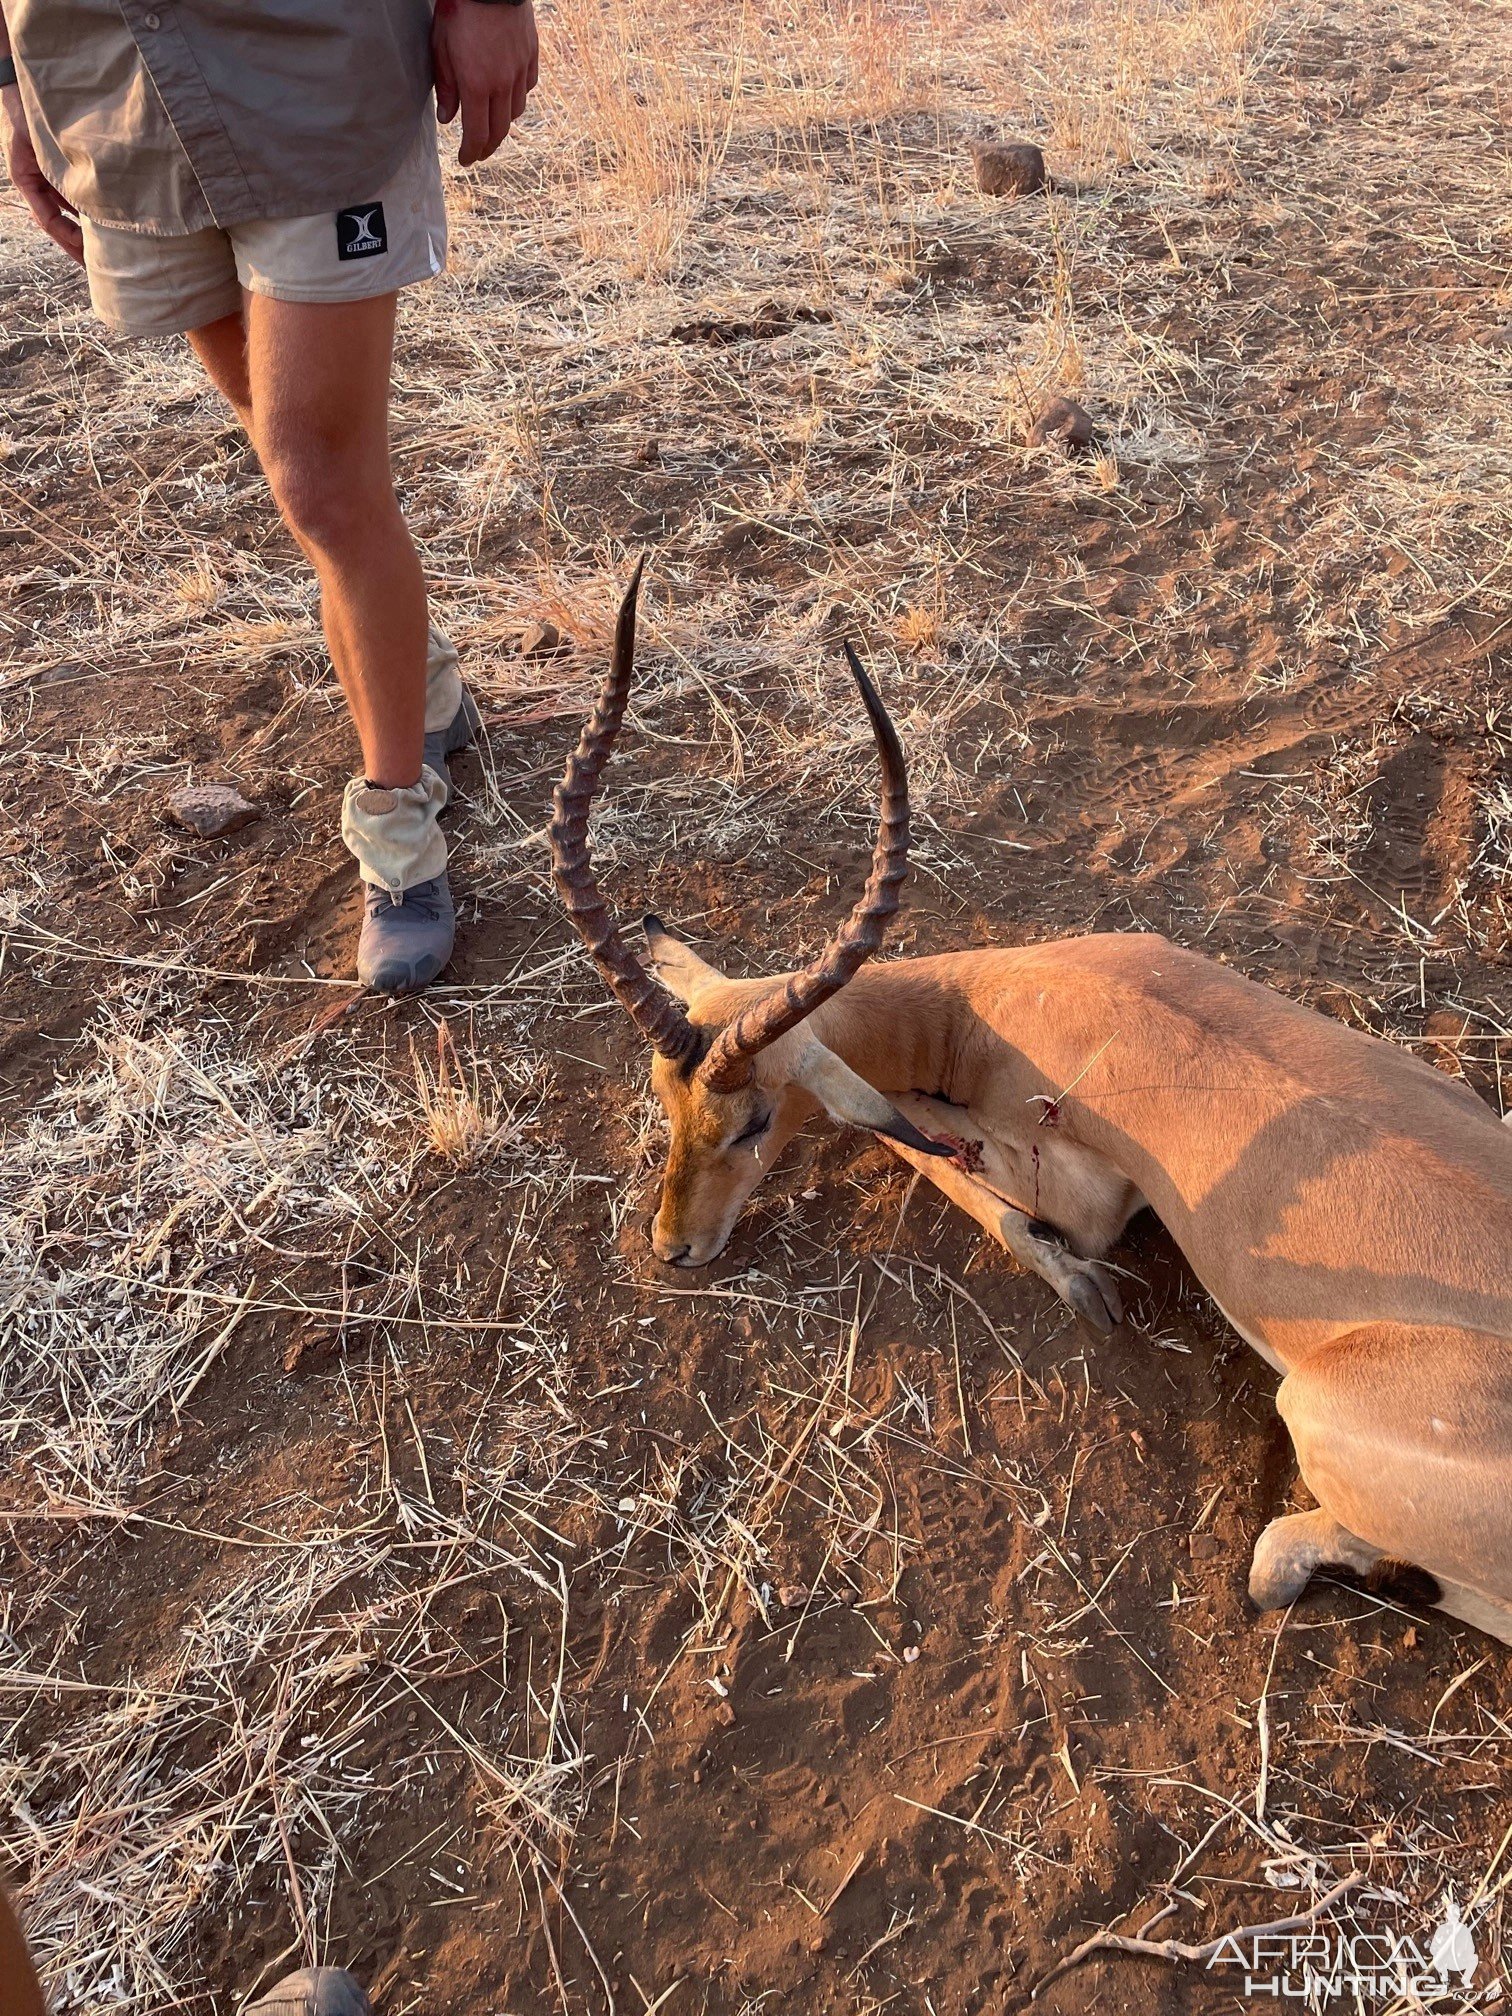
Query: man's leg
451	718
319	375
318	382
222	348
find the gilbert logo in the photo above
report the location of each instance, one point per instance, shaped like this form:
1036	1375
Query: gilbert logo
361	234
1357	1966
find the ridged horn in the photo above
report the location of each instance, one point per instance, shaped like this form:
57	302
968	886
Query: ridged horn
728	1064
648	1004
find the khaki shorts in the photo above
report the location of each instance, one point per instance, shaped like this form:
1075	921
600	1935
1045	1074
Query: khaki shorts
162	286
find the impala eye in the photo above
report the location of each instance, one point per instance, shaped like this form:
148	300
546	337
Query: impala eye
752	1131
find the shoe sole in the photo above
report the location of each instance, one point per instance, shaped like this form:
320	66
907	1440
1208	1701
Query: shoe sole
397	981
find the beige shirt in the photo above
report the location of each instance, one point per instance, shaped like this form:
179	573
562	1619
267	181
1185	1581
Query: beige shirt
170	115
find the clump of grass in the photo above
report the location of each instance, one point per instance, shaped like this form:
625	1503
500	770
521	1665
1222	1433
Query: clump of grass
197	588
918	629
463	1120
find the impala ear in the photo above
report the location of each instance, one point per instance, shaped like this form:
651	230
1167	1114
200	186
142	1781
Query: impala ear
845	1096
676	965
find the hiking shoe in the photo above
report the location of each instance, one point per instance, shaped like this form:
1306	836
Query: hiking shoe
406	938
313	1991
443	742
408	922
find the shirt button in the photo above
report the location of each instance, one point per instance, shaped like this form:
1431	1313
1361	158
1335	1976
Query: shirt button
152	21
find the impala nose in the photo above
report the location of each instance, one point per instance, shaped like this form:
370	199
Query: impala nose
674	1256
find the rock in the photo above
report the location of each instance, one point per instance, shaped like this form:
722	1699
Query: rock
540	640
1204	1546
1062	420
1015	169
211	809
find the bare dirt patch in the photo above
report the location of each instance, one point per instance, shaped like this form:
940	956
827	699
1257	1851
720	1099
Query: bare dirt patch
398	1565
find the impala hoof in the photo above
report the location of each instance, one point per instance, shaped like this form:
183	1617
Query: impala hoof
1092	1294
1277	1576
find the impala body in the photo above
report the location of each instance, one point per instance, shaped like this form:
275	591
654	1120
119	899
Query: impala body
1348	1207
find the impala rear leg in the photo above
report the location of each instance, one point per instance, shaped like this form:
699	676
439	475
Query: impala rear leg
1292	1547
1083	1285
1398	1434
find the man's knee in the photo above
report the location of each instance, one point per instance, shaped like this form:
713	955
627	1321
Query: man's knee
330	497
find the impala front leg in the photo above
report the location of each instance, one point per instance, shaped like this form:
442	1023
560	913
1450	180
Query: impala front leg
1084	1286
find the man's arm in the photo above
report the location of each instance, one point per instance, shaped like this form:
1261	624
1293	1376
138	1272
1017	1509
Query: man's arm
44	202
487	62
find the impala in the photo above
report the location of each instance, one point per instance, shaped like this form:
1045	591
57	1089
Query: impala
1347	1206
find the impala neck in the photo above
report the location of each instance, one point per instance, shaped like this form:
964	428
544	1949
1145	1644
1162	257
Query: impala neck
901	1026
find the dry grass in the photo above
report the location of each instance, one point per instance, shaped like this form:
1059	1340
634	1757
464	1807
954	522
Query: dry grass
171	1149
464	1121
731	293
239	1759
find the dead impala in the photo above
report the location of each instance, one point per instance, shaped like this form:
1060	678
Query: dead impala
1348	1207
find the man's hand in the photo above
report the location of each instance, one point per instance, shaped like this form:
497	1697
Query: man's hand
487	62
44	202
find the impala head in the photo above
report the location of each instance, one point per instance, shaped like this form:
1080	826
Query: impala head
734	1064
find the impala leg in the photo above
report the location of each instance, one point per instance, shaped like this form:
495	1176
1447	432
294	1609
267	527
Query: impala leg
1289	1550
1400	1433
1083	1285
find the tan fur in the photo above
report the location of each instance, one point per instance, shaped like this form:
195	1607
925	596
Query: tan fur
1347	1206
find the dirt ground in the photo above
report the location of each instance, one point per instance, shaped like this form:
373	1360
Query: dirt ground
400	1567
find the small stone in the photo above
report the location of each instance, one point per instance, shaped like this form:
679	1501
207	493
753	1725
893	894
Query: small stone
792	1595
725	1715
1061	419
1008	170
1204	1546
540	640
649	452
211	809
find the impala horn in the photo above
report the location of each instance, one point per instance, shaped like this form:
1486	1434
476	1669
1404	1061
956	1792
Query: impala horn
728	1064
648	1004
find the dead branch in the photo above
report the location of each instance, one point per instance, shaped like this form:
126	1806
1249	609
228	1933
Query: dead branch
1181	1949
